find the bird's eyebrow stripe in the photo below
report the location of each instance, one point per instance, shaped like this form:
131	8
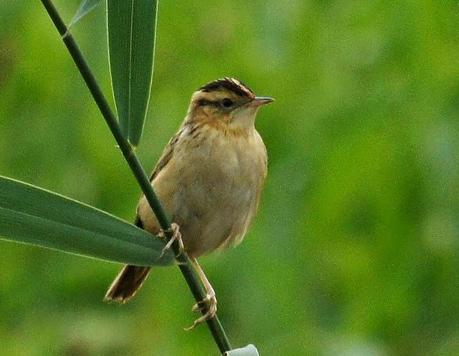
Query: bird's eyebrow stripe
205	102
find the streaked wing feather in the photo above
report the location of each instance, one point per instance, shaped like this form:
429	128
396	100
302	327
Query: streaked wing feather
166	155
162	162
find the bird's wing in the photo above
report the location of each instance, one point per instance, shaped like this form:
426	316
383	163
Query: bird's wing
166	155
162	162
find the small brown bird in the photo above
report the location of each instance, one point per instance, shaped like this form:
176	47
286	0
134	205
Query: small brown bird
209	180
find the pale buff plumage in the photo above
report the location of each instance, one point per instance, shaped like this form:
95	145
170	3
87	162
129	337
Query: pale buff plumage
211	187
209	178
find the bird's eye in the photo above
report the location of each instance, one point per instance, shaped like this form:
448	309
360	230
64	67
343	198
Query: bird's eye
227	103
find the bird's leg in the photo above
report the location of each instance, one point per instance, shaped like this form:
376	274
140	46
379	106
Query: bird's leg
176	236
209	302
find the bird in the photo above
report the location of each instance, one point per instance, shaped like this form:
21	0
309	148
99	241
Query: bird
209	180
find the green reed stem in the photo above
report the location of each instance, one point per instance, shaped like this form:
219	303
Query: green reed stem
184	263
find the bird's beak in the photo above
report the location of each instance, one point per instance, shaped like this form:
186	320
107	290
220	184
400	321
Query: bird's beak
262	100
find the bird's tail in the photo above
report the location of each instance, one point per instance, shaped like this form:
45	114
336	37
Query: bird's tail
126	284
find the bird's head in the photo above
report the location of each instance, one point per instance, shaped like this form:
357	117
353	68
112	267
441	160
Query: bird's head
226	101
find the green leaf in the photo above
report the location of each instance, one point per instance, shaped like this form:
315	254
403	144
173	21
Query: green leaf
85	8
249	350
36	216
131	27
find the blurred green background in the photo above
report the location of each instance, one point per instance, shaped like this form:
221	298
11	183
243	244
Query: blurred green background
355	250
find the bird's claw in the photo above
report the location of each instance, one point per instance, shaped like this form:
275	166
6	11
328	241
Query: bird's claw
176	236
209	300
210	303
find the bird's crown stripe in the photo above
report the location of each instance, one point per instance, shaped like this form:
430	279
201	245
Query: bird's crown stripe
232	84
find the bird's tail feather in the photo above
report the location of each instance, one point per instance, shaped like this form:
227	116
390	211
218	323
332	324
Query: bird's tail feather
126	284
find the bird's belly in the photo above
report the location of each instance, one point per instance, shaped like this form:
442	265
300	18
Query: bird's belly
213	207
214	199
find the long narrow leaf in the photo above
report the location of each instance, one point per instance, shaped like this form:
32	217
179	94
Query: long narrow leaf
86	6
131	26
33	215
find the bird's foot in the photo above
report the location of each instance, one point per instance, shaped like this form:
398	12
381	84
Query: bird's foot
209	304
176	236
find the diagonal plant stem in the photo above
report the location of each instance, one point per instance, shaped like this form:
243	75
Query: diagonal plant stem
184	263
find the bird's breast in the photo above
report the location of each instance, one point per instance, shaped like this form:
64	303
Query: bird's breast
211	188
